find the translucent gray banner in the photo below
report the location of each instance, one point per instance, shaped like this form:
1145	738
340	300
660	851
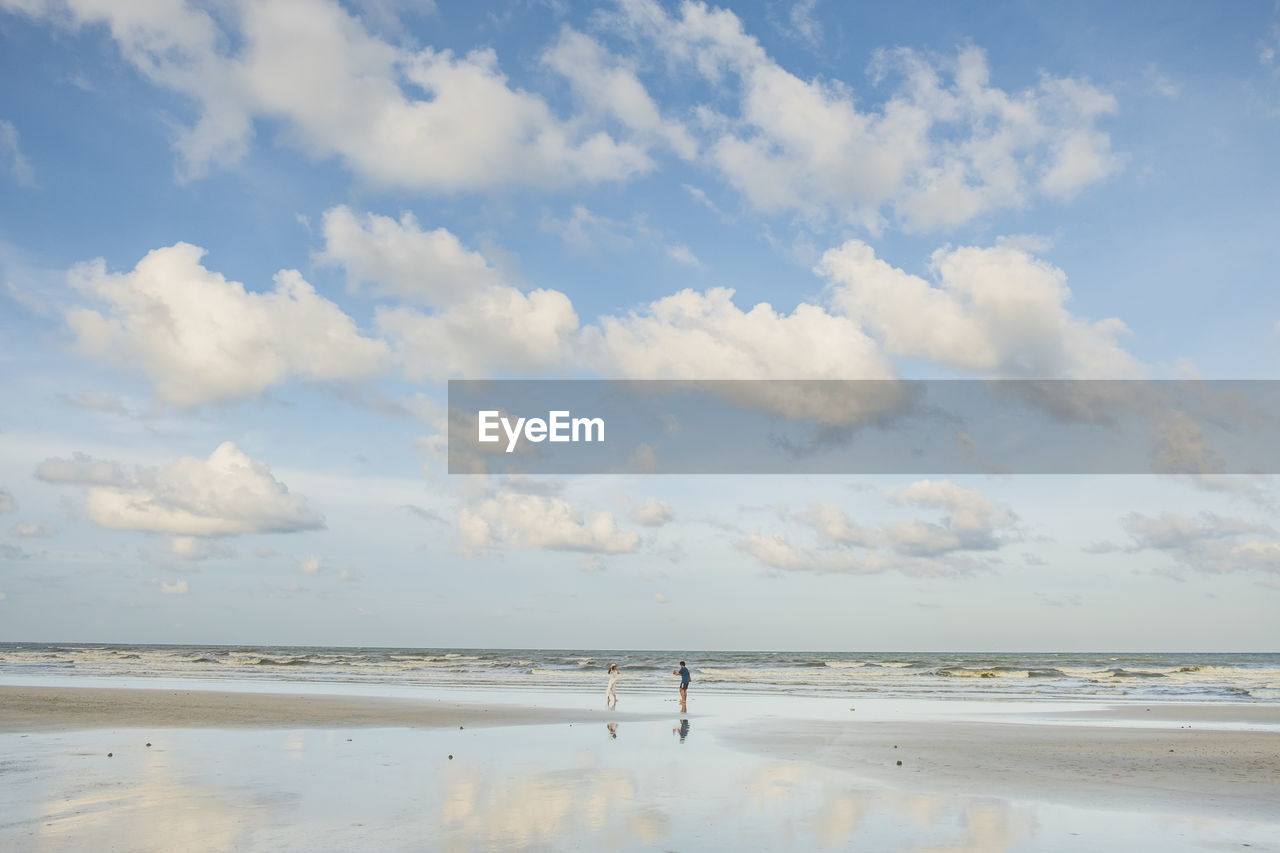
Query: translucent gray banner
931	427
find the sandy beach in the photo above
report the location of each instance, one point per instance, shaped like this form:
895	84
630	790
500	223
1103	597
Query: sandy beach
222	770
1170	757
27	709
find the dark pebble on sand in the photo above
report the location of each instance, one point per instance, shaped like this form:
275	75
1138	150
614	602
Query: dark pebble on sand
109	754
459	728
148	743
899	763
451	758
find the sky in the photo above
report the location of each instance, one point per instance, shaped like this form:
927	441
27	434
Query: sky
244	244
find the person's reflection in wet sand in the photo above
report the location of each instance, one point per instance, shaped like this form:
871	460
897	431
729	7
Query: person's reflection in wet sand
683	730
613	730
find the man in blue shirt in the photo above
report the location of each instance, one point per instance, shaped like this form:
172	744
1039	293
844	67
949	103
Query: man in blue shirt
685	678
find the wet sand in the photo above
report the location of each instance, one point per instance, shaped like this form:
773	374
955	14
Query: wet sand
29	709
216	770
1176	760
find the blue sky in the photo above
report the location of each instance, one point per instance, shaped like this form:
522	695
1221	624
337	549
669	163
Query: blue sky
243	444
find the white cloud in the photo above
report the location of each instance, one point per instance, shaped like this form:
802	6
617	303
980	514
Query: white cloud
33	530
944	147
173	587
512	519
653	513
1159	82
608	85
82	470
226	494
309	565
400	259
777	552
203	339
196	548
692	335
12	159
804	24
997	311
835	525
971	518
497	331
971	523
476	327
682	254
7	503
1269	49
584	231
1172	531
1206	543
421	119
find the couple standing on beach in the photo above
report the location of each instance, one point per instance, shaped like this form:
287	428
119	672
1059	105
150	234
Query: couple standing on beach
611	695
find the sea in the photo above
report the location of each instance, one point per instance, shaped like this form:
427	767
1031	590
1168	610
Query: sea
1092	677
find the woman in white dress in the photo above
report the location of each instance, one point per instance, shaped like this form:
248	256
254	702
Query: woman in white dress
610	696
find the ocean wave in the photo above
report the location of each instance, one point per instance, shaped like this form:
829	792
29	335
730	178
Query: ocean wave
1120	672
1205	677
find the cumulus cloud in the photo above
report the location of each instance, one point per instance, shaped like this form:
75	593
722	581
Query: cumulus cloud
997	311
835	525
309	565
173	587
226	494
423	119
608	85
512	519
7	503
499	330
943	147
203	339
475	326
692	335
653	513
971	523
399	258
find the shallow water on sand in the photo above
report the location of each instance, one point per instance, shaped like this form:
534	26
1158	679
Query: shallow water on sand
671	784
